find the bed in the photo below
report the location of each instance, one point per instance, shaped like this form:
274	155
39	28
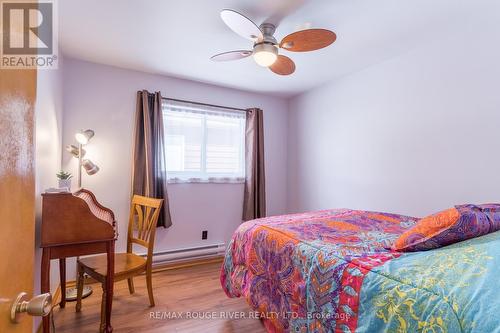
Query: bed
334	271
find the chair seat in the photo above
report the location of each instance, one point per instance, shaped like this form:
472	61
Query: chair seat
125	263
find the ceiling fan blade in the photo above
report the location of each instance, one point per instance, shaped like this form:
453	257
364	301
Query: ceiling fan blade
308	40
241	24
231	55
283	66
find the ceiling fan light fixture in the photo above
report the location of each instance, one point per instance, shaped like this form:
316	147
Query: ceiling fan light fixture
265	54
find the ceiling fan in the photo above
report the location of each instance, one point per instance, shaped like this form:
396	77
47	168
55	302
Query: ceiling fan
265	47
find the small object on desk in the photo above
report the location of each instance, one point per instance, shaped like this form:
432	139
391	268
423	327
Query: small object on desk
64	179
57	190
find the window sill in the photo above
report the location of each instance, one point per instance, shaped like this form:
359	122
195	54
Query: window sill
222	180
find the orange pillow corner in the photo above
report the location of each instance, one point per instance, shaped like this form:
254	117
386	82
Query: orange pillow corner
426	228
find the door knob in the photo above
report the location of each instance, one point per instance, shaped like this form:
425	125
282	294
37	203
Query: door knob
39	306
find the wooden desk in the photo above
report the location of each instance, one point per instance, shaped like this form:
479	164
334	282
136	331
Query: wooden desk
75	224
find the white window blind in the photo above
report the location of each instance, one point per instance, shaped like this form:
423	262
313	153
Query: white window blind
203	143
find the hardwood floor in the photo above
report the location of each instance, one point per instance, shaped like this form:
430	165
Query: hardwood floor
185	291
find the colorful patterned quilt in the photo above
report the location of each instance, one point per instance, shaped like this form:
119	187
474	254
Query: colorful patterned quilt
332	271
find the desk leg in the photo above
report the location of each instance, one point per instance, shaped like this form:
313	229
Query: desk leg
62	276
45	285
109	284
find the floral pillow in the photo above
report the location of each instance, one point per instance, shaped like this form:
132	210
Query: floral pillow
450	226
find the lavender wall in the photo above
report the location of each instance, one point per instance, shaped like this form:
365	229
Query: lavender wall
413	135
103	98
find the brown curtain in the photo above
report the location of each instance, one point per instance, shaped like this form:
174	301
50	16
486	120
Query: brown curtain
254	204
149	166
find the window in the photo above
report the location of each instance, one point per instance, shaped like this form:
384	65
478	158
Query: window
203	143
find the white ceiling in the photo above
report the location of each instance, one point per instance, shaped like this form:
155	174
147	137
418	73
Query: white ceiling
177	38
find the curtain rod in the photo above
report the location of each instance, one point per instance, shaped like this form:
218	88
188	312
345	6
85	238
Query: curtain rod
204	104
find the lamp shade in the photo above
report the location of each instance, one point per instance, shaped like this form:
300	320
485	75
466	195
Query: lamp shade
83	137
73	150
90	167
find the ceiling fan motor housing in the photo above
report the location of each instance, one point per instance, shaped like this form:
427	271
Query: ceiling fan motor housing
268	30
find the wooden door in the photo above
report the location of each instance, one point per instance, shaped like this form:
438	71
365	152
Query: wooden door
17	192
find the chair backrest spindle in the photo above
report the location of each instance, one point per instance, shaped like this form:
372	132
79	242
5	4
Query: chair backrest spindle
144	213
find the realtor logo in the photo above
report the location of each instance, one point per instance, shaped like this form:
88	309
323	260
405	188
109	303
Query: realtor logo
28	34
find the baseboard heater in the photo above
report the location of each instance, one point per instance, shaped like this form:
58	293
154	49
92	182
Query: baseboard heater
188	253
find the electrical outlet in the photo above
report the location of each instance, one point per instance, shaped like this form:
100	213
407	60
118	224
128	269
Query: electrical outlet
204	234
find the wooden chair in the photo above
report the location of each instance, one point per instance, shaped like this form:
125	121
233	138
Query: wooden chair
144	214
